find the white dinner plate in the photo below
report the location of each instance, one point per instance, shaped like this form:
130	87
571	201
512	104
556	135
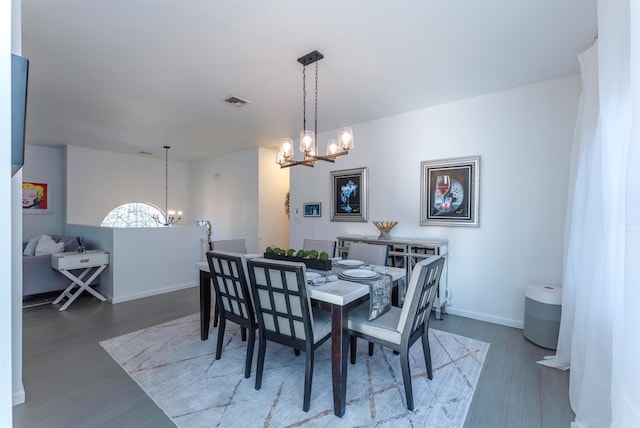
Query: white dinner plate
311	275
359	273
350	262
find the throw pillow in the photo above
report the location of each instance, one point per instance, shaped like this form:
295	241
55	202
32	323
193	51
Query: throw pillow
30	248
46	245
71	245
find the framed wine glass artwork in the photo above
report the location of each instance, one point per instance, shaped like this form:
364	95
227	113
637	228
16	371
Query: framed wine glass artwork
349	195
449	192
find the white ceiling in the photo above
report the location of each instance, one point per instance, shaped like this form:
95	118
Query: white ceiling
134	75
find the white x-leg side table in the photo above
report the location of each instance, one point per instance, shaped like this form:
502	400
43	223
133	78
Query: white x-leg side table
95	260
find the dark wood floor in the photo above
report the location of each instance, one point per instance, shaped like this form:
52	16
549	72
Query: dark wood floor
70	381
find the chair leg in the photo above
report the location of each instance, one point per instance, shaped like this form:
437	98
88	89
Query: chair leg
243	334
262	344
426	349
308	377
353	341
220	338
370	348
216	313
406	377
247	364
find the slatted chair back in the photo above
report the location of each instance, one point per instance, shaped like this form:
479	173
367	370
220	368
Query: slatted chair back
282	305
228	274
233	299
369	253
231	245
315	244
421	293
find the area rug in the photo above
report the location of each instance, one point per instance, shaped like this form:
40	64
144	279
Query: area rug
180	373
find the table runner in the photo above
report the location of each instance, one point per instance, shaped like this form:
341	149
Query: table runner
379	288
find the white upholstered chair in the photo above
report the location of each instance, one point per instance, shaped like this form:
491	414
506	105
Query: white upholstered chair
399	328
315	244
368	253
231	245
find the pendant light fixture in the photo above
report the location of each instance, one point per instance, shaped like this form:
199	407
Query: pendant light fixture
169	215
308	143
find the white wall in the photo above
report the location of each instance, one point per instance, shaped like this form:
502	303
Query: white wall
226	190
523	137
97	181
12	389
44	165
273	185
7	250
145	261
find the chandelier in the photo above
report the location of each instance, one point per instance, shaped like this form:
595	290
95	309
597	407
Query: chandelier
308	144
169	215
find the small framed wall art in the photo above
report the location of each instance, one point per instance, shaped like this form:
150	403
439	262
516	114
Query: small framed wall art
349	195
449	191
312	209
35	198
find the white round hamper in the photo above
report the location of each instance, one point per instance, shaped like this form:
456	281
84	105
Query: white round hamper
542	309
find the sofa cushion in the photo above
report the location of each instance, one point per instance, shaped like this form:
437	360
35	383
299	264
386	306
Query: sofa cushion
46	245
30	248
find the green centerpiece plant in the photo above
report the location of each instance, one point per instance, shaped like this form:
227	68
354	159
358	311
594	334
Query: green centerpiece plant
312	258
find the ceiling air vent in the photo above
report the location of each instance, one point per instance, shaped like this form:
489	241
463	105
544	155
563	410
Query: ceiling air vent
236	101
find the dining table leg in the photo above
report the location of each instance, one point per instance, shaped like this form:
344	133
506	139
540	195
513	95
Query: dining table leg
339	347
205	304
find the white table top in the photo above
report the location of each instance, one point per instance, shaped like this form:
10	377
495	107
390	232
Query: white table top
339	292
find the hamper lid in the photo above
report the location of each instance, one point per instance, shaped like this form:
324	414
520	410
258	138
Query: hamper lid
549	294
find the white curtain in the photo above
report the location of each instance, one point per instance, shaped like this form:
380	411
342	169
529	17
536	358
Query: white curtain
600	327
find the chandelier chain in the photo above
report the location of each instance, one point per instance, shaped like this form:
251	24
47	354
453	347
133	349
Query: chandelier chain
315	127
166	181
304	98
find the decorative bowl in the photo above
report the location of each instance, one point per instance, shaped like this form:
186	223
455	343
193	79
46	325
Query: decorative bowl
385	227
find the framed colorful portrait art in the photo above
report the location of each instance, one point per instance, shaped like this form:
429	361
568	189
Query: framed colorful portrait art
35	198
449	192
349	195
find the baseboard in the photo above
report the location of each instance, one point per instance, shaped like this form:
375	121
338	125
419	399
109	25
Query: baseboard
485	317
155	292
18	397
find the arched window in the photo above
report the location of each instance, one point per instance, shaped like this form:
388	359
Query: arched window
133	214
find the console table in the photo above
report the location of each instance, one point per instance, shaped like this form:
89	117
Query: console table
89	260
406	252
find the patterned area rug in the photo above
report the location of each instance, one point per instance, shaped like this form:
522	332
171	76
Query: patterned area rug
180	373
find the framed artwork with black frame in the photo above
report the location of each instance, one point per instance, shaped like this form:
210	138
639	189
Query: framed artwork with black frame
312	209
449	191
349	195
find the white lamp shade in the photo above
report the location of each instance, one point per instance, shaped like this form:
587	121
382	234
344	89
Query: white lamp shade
280	159
345	138
332	147
286	147
307	142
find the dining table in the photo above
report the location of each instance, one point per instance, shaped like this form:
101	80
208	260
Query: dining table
337	297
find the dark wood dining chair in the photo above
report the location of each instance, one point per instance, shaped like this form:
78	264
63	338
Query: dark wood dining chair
400	328
233	299
285	315
234	246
